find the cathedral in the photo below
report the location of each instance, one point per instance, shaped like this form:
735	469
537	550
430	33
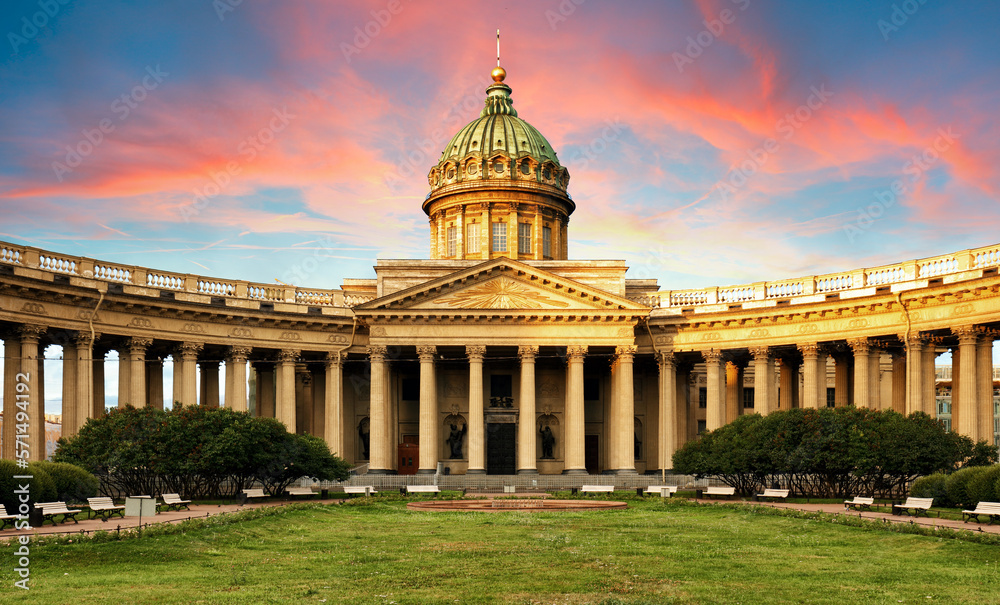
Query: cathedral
499	354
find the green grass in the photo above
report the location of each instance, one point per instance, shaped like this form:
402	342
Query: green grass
378	552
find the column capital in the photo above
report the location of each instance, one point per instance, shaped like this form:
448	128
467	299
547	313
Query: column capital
138	344
527	352
377	352
665	358
239	353
808	350
576	352
426	353
966	334
188	351
760	353
915	340
84	339
334	358
31	332
289	355
712	356
860	346
625	352
475	352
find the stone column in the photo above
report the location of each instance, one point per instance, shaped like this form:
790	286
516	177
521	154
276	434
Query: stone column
667	432
303	399
575	423
899	382
914	372
862	367
186	364
527	437
236	378
763	380
285	388
124	375
715	413
874	377
209	384
788	391
814	376
97	411
84	396
380	448
984	378
929	385
623	414
11	367
429	444
956	370
33	374
154	383
333	404
268	393
968	400
137	370
842	379
477	428
734	389
70	421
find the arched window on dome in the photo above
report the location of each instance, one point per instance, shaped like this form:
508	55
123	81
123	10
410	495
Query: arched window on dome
497	165
525	167
472	168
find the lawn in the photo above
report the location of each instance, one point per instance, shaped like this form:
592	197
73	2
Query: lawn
382	553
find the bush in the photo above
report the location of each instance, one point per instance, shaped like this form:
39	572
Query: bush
983	486
958	485
41	487
72	483
932	486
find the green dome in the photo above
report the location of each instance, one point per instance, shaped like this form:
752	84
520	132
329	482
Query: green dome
499	129
498	145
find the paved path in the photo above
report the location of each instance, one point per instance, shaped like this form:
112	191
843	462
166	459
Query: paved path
117	523
833	508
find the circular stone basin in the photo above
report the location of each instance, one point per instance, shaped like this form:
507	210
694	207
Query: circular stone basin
508	504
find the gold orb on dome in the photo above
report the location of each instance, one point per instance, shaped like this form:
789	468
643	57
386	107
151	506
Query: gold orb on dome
499	74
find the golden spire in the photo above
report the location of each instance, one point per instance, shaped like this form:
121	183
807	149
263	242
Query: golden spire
499	73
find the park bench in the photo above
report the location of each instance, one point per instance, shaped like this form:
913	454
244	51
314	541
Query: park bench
917	505
105	508
859	503
990	509
5	518
300	491
173	501
366	490
658	490
597	489
253	493
422	489
51	509
780	494
719	492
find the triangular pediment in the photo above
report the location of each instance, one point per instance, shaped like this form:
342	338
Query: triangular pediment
501	284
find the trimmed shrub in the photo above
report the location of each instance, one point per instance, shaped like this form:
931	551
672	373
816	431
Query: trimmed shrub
932	486
72	483
41	487
958	485
983	486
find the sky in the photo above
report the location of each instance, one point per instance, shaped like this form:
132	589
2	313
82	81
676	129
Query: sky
709	142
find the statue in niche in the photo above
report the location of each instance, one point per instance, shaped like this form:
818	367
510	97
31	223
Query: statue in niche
365	435
548	442
455	440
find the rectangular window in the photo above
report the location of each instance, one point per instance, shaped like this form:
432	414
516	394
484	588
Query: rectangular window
702	397
524	238
702	427
452	235
499	237
547	242
747	398
831	397
472	238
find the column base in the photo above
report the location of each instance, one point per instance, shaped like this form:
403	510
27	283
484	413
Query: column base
381	471
624	471
575	471
476	471
427	471
527	471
